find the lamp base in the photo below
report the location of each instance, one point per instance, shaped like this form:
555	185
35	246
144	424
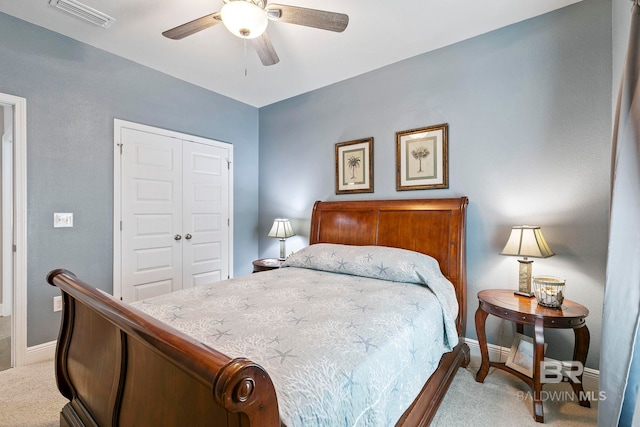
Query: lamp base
524	278
524	294
282	255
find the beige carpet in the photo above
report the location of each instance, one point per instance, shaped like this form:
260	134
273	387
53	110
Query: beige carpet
505	401
29	398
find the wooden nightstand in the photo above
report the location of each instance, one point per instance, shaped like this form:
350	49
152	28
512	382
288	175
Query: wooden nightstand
265	264
526	311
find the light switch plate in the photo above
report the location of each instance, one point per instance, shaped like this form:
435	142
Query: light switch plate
62	219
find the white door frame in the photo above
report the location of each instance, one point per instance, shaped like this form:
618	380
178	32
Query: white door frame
7	211
117	192
19	309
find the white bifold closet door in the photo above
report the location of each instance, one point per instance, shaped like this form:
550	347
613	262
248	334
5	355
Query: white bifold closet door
175	214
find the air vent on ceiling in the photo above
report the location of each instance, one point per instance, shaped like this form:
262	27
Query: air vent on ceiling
83	11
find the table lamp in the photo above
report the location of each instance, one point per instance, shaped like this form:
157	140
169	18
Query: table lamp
526	241
281	229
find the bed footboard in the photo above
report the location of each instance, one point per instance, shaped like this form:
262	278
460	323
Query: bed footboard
118	366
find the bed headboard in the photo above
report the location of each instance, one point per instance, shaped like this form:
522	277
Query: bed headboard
435	227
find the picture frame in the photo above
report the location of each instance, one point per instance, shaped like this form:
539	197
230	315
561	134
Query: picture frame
422	158
354	166
521	355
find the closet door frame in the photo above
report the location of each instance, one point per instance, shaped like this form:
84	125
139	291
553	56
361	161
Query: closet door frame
117	192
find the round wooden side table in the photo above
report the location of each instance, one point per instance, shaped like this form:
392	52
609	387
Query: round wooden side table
265	264
504	304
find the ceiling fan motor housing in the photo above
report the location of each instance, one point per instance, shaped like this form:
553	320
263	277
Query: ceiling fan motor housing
245	18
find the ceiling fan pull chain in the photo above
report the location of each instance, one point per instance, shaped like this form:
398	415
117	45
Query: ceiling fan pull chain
245	57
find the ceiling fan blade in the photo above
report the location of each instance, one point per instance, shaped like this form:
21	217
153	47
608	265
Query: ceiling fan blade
192	27
308	17
265	50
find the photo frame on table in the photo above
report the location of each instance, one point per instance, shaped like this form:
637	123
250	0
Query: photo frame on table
422	158
354	166
521	355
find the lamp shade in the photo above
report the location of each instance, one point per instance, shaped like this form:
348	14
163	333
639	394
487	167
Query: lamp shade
281	228
527	241
244	18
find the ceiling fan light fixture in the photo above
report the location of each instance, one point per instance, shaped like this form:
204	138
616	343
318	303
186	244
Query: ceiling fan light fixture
244	19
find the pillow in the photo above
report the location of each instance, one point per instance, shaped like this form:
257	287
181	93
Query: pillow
377	262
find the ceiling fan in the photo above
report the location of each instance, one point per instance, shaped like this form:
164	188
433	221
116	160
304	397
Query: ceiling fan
248	19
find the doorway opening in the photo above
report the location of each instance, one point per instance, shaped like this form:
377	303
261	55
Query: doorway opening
13	303
6	253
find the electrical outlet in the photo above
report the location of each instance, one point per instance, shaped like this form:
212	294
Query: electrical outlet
57	303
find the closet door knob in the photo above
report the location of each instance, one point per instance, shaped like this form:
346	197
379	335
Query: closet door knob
188	236
177	237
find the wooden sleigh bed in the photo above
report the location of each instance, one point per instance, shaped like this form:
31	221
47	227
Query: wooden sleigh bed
118	366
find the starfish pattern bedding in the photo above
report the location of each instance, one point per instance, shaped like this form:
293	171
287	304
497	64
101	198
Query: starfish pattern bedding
348	334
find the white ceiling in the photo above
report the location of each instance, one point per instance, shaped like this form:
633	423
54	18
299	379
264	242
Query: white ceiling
379	33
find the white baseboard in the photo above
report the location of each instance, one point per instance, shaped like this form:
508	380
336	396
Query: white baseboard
40	353
590	377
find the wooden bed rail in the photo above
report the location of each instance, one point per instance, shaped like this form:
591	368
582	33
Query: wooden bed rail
108	357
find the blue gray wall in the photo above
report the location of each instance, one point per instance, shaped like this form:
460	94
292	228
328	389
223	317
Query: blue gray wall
73	93
529	114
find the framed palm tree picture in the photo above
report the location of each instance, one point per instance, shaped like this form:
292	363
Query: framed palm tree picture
421	158
354	166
